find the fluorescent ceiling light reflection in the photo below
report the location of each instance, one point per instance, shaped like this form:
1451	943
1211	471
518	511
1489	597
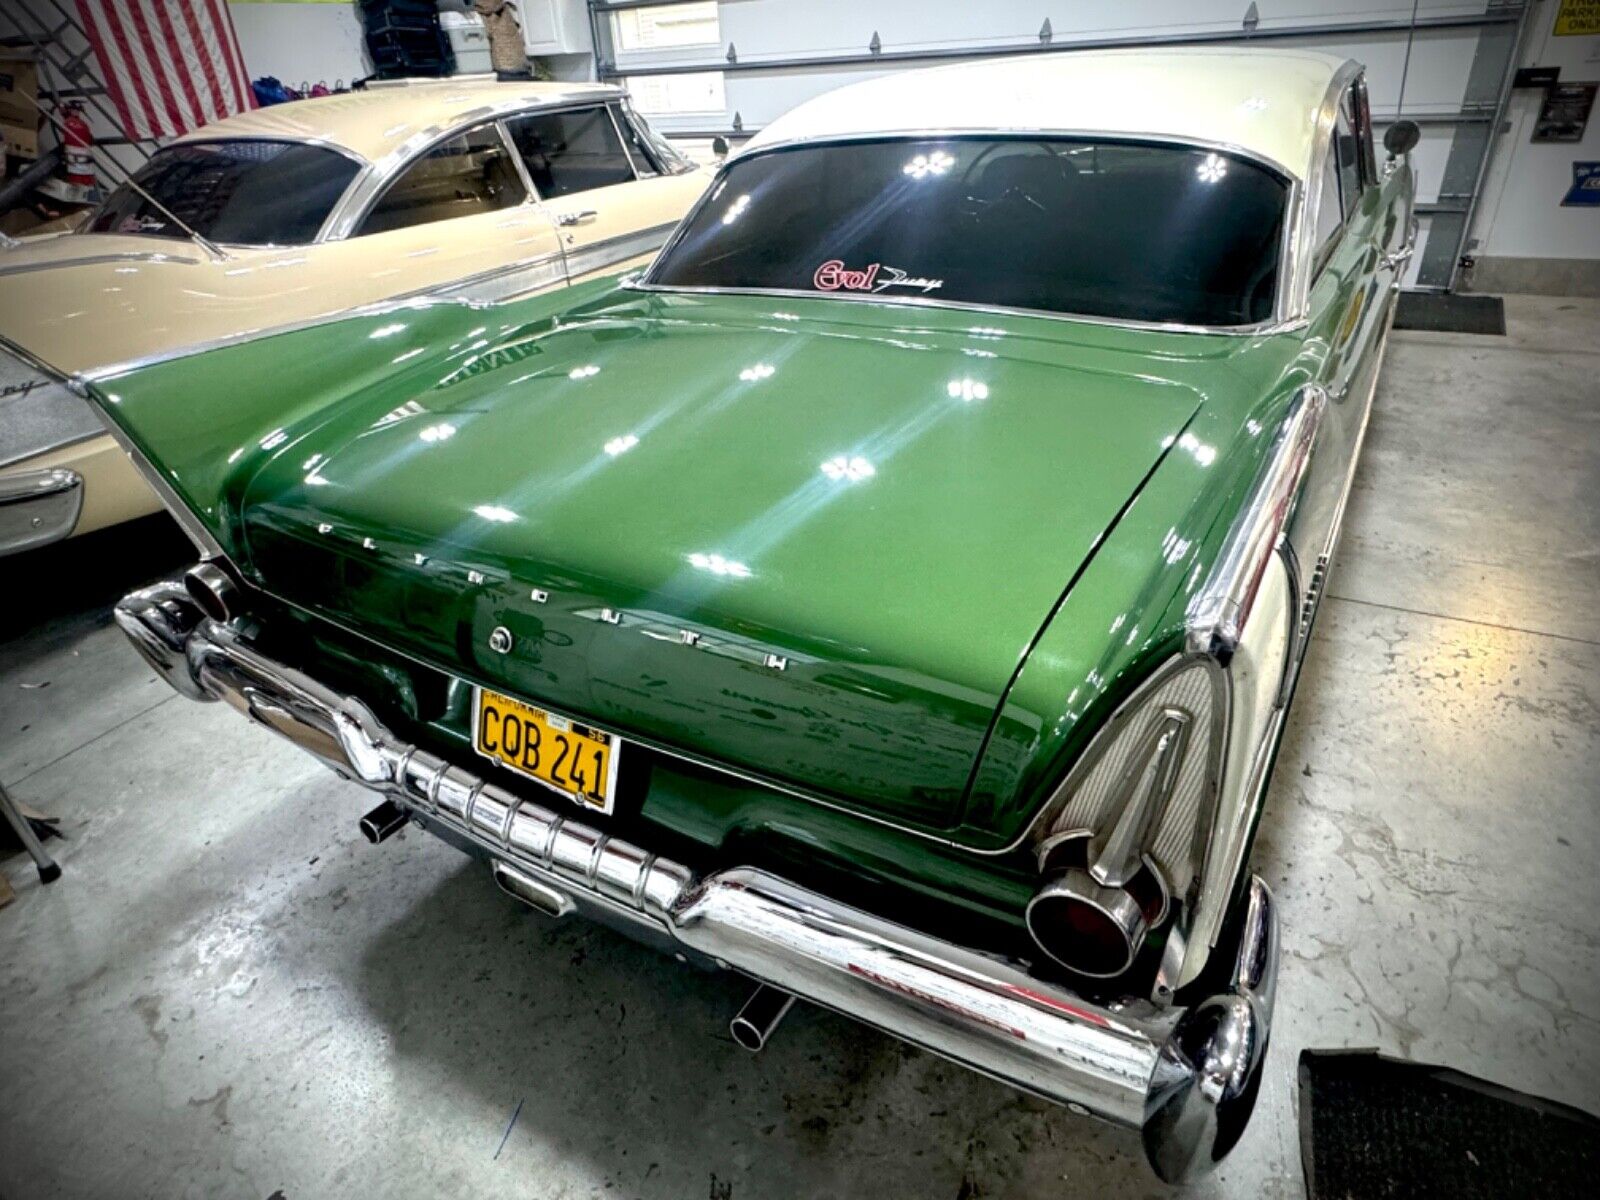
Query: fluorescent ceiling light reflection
851	470
967	390
924	165
438	433
759	371
621	445
718	565
495	512
1212	168
584	372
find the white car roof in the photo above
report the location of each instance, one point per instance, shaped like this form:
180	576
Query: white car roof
373	122
1262	101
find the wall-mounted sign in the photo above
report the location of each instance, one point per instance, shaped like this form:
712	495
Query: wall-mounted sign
1565	112
1585	191
1578	18
1535	77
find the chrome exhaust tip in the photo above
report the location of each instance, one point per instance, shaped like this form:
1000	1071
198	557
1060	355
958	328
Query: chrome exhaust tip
383	822
759	1018
213	590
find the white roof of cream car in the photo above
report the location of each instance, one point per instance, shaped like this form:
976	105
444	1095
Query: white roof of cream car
1265	103
375	122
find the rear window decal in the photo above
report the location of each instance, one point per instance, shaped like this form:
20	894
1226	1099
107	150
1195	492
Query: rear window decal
834	276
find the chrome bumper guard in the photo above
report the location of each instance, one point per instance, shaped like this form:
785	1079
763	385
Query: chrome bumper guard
1186	1078
38	507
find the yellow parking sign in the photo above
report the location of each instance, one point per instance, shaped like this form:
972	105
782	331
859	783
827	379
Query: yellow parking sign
1577	18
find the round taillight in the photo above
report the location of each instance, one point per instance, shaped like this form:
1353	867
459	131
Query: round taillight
1086	927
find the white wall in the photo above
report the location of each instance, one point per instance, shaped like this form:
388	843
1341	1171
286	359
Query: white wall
1520	215
298	43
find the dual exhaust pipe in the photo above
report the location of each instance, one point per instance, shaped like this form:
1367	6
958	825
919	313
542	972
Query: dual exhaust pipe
1185	1078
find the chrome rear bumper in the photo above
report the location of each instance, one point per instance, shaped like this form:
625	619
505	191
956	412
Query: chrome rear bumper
1186	1078
37	508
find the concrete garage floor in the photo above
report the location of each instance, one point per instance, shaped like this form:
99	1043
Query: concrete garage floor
231	994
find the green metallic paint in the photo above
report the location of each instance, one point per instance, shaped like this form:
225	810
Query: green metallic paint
1045	497
901	615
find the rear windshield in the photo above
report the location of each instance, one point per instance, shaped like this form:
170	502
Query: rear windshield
247	192
1096	228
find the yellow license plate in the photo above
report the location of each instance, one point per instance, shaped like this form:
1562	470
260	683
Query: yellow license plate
576	760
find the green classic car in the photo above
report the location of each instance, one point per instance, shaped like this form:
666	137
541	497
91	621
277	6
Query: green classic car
894	593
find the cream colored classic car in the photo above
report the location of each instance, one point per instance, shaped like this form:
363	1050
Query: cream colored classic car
470	191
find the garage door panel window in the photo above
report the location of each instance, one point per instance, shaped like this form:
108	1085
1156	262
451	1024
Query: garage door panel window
466	175
573	151
245	192
1099	228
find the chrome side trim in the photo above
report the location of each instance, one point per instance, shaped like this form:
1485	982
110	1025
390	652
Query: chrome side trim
479	289
96	260
597	256
1185	1079
1216	617
37	508
1262	329
1316	586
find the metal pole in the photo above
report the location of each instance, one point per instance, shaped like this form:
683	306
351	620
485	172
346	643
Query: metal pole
49	870
1501	105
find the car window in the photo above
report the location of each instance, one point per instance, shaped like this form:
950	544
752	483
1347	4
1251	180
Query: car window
571	151
644	159
470	173
667	156
245	192
1102	228
1349	157
1330	217
1361	118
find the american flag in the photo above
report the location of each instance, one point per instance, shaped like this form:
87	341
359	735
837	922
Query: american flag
169	65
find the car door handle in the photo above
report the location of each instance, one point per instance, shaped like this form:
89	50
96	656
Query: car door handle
1399	258
576	218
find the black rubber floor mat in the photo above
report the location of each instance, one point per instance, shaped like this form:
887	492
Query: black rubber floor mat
1439	312
1373	1127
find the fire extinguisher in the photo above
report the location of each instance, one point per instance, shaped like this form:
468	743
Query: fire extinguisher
77	141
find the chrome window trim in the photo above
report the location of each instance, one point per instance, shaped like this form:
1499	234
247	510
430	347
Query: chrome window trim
1326	118
322	143
1260	329
637	119
380	172
1288	312
627	151
372	199
522	167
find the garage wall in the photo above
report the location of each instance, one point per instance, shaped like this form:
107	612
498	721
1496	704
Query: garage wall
1438	70
1526	240
301	42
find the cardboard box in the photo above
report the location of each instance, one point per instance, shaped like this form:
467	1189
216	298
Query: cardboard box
19	88
20	140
